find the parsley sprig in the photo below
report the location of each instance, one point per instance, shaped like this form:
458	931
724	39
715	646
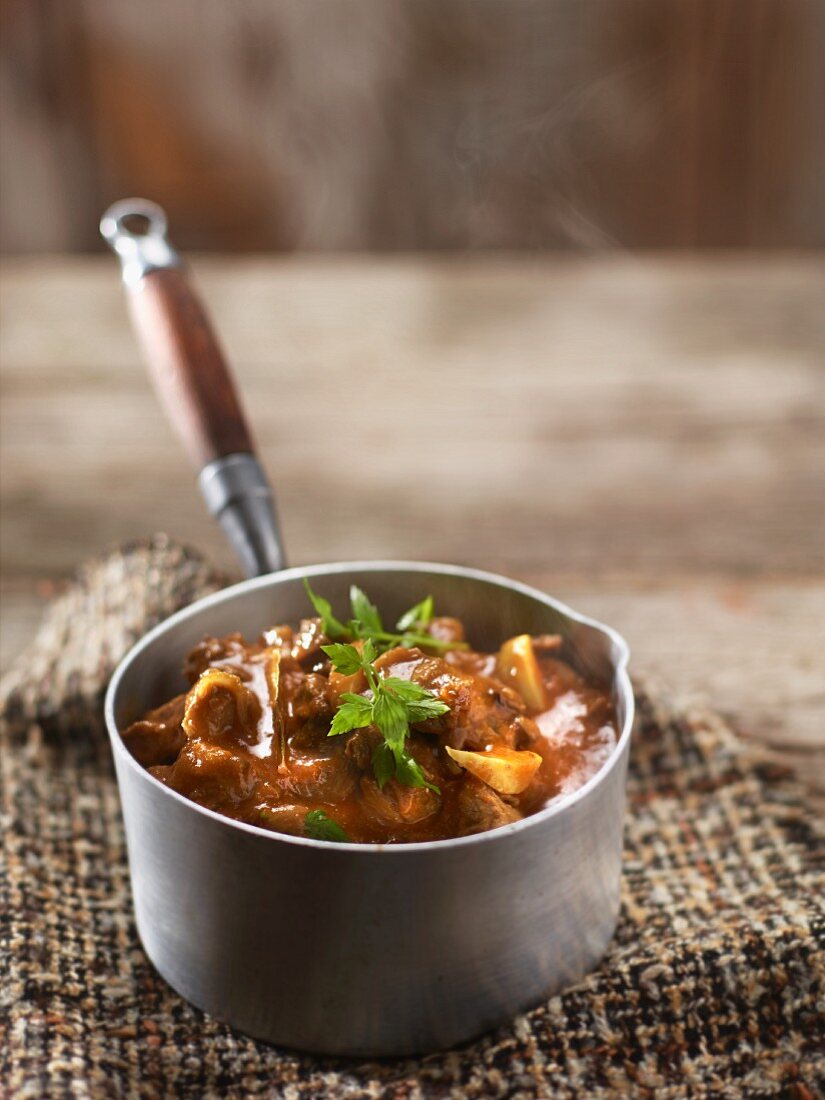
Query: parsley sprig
320	826
391	704
366	623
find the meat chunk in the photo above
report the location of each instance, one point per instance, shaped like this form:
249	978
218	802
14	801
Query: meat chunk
231	650
309	699
213	776
445	629
221	708
360	745
482	710
157	738
545	644
281	818
480	808
282	637
395	804
306	647
308	708
324	778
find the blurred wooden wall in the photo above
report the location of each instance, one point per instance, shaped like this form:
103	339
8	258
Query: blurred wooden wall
416	124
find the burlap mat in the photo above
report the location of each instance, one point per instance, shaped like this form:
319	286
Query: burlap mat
714	984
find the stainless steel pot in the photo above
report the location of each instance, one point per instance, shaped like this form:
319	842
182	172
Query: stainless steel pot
361	949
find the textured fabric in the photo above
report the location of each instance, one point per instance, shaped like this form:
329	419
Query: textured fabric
713	986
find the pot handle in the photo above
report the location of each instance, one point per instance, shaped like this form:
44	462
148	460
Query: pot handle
193	382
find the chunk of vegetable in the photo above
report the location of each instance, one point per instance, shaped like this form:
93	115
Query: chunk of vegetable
506	770
516	664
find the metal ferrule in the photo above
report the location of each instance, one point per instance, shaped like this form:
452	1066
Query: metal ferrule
237	493
142	246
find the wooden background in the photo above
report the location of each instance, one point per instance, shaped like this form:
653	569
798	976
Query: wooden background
642	438
416	124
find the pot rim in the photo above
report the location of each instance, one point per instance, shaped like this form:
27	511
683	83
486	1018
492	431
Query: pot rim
565	802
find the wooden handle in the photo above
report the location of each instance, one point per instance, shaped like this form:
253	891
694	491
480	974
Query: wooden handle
187	366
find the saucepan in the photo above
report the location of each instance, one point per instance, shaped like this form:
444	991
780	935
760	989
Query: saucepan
337	948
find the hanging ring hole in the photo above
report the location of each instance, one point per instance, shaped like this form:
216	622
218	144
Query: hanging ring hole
132	220
139	225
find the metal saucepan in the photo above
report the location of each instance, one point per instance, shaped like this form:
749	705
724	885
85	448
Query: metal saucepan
359	949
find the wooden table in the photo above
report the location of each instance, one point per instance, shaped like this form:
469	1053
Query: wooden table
642	437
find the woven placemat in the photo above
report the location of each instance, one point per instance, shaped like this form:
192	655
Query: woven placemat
714	984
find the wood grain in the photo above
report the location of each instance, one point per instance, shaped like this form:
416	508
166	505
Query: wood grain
188	368
644	438
416	124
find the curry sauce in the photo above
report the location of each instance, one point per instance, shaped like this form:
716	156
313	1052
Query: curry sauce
251	737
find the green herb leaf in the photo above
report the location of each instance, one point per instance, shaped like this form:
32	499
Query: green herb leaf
424	710
408	771
353	714
408	690
364	612
356	629
359	700
319	826
390	716
420	703
392	703
332	627
345	658
383	764
419	615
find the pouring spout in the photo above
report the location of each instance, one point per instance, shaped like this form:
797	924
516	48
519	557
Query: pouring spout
237	493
